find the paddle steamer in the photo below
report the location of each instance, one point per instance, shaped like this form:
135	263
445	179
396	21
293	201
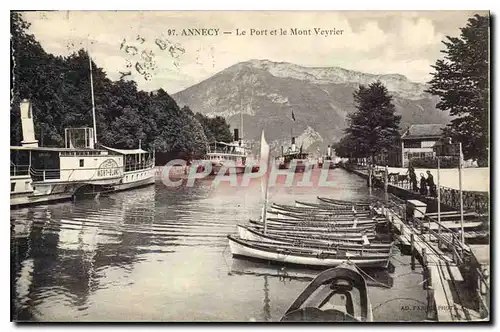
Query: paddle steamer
41	174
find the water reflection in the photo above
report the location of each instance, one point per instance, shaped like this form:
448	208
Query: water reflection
155	253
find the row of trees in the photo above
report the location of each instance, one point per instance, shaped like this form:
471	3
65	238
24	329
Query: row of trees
461	80
59	88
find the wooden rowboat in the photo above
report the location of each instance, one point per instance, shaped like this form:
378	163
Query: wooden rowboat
321	235
303	256
330	207
348	231
335	295
331	215
326	223
254	235
344	203
326	249
316	227
325	208
321	217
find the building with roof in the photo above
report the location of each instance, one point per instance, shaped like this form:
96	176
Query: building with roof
418	140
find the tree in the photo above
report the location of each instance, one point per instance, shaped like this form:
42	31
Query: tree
374	126
59	89
461	80
216	129
347	147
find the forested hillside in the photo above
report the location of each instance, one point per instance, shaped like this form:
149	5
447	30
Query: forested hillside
59	89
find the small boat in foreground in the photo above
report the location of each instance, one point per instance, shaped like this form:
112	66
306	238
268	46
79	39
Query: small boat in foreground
335	295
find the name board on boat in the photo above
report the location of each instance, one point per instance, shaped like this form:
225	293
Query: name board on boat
109	168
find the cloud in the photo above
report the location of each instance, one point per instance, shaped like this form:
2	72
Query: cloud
378	42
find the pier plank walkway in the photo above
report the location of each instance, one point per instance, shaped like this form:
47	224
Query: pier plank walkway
444	273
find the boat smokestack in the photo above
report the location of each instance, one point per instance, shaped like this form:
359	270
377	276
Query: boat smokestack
27	124
293	144
329	151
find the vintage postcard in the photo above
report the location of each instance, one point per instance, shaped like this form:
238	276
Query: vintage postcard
250	166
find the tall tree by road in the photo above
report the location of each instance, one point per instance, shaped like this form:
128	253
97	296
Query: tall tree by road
373	128
461	80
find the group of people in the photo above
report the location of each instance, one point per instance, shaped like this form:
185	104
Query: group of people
427	185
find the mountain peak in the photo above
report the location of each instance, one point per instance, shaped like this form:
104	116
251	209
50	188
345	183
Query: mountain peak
398	84
265	93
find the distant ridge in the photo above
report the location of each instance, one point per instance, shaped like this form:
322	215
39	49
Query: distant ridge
266	92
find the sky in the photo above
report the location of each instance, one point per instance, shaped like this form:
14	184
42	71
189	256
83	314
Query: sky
150	45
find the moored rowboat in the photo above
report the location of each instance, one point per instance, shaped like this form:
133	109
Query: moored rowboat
303	256
324	223
254	235
322	235
330	228
318	302
326	249
324	214
329	206
344	203
323	208
321	217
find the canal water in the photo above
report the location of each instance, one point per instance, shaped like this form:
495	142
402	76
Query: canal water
161	254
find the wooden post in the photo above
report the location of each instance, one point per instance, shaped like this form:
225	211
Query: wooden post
453	247
386	178
439	202
412	248
369	175
424	258
431	305
439	235
461	197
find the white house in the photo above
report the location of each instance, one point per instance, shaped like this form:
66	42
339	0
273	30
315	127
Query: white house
417	141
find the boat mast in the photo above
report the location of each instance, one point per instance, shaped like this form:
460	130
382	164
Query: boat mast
241	118
264	159
93	101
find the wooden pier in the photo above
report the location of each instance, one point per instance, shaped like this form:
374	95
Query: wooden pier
441	255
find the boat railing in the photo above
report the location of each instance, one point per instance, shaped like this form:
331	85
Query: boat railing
226	151
133	166
39	175
16	170
445	236
45	174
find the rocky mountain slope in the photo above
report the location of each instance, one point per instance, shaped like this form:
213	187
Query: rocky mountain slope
267	92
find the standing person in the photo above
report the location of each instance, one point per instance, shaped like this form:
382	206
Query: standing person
430	183
423	185
413	178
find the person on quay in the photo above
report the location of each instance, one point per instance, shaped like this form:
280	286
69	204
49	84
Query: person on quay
423	185
413	178
431	184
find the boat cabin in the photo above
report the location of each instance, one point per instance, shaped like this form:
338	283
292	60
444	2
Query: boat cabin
77	162
220	151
